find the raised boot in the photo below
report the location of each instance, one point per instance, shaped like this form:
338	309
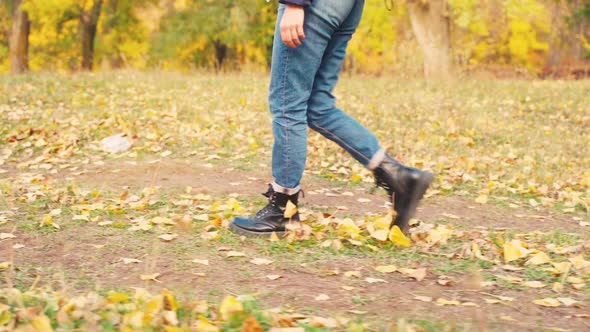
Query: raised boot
271	219
406	187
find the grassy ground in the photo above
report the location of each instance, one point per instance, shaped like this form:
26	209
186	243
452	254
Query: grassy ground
138	240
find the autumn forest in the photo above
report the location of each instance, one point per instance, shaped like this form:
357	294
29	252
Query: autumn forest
536	37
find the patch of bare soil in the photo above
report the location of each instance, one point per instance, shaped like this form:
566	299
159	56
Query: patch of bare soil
219	180
83	257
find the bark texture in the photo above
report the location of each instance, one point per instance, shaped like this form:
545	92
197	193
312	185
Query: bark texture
19	39
88	24
431	25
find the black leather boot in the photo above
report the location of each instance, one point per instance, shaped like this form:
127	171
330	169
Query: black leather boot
406	187
268	220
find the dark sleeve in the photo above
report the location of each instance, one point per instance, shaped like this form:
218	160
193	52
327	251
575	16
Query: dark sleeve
303	3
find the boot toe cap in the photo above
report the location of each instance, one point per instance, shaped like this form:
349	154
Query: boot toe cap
252	225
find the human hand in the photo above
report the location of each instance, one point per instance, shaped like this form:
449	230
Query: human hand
291	26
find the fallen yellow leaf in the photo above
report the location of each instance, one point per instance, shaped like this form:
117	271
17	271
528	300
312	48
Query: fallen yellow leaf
322	297
423	298
500	297
168	237
290	210
203	325
539	258
547	302
579	262
492	301
42	323
380	234
117	297
567	301
482	199
374	280
398	238
210	235
534	284
386	268
557	287
150	277
574	280
418	274
201	261
4	236
130	260
235	254
439	235
511	279
561	268
469	304
82	217
274	237
441	301
358	312
332	272
514	250
261	261
350	274
230	306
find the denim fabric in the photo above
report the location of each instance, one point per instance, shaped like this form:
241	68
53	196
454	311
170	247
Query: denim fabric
300	94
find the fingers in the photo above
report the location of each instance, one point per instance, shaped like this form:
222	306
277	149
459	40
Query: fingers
300	32
292	36
295	36
287	38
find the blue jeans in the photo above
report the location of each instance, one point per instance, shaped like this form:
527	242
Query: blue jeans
300	95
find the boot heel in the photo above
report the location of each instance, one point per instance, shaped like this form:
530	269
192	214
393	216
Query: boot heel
424	182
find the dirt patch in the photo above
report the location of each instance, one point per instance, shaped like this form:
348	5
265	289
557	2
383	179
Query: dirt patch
80	257
175	176
86	257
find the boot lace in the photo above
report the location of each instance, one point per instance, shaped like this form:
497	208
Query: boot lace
271	206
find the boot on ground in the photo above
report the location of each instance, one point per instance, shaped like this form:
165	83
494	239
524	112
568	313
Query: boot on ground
271	219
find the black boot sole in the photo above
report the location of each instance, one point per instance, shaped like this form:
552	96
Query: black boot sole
422	183
248	233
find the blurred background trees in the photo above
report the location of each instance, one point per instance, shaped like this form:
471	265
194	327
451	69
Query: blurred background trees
539	37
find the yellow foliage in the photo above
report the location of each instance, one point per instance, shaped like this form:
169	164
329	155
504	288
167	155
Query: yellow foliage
42	323
513	32
230	306
398	238
374	43
53	39
514	250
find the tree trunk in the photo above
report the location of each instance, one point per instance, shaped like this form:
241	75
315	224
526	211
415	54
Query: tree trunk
88	24
19	40
220	53
431	26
